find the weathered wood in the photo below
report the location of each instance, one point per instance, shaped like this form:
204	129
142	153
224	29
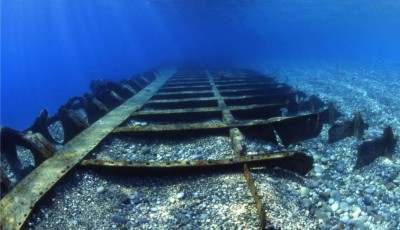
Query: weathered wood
17	205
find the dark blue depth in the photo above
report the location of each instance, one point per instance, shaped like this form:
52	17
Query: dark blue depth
52	49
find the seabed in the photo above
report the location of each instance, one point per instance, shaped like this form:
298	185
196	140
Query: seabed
210	149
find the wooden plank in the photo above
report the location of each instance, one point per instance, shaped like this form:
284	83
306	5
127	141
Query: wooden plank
18	204
201	110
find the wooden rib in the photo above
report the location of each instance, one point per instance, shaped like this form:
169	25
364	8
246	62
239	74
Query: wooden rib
219	97
254	193
200	110
147	167
18	204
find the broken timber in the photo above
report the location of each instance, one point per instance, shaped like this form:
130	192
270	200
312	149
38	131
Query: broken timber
297	161
243	103
17	205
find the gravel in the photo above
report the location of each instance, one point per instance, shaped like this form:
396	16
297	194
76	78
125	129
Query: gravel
208	147
332	196
220	200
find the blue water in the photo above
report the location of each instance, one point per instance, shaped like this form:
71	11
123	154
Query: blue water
52	49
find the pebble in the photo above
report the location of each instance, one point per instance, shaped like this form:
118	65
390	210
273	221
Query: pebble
119	219
356	211
326	208
390	186
397	180
171	200
369	190
154	209
145	150
345	219
272	181
197	157
344	206
306	203
359	223
100	189
132	158
137	200
304	191
335	195
340	167
335	206
124	200
313	184
142	221
318	168
320	214
349	200
368	201
180	195
323	196
203	216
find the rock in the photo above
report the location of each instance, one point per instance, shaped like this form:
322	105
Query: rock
154	209
142	221
304	191
349	200
324	160
345	219
340	167
335	206
197	157
180	195
368	201
390	186
323	196
392	176
271	180
326	208
378	218
320	214
356	211
306	203
145	150
344	206
335	195
369	190
203	216
132	157
137	200
100	189
357	223
385	200
195	195
119	219
125	200
313	184
171	200
318	168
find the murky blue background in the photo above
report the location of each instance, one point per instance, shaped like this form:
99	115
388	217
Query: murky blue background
52	49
